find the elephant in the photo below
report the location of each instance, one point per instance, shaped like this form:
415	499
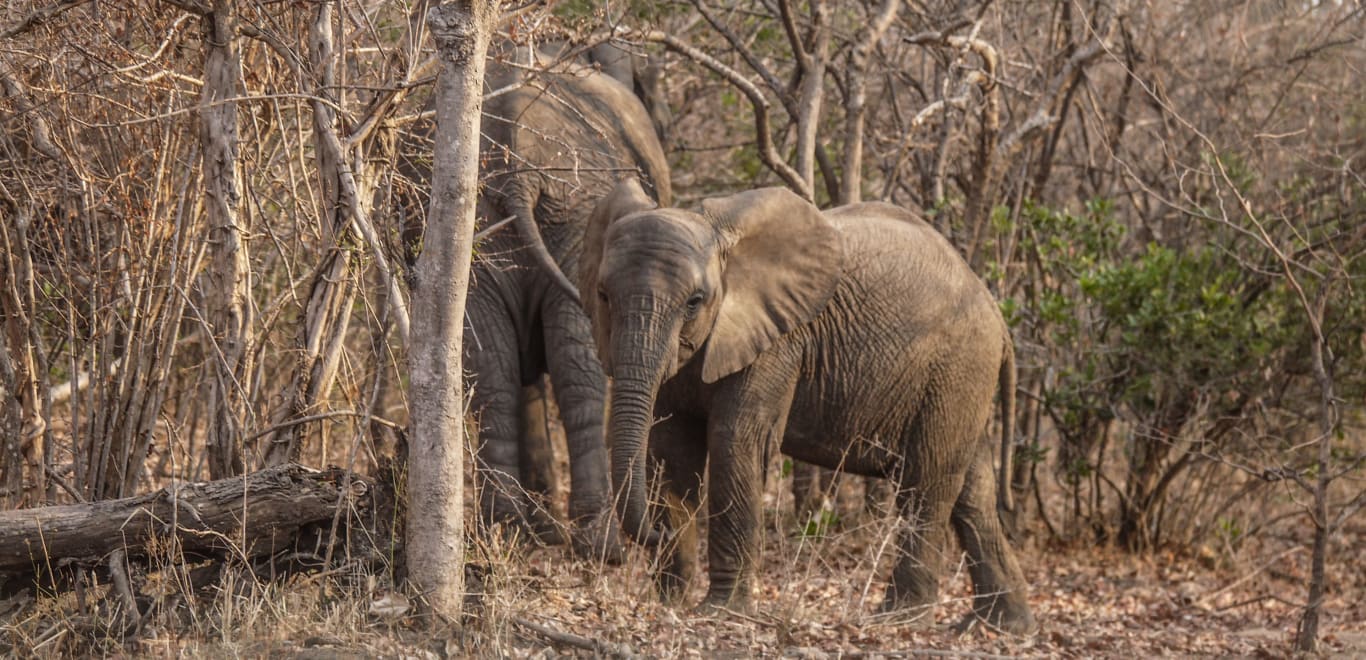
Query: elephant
642	73
854	338
555	137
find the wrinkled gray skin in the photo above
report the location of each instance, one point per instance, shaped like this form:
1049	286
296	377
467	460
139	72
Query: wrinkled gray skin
550	149
643	74
761	323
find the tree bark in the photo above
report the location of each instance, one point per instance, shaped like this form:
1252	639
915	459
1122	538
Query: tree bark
435	538
812	92
261	514
327	314
228	279
851	186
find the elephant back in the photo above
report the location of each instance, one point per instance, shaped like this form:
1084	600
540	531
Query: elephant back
561	140
908	264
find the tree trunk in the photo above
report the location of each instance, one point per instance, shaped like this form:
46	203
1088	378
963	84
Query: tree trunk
435	539
327	314
812	92
228	279
856	76
1307	634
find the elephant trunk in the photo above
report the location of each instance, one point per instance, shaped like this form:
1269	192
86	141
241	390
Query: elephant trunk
637	371
526	226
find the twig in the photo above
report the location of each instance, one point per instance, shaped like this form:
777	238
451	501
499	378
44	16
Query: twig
1203	600
118	573
38	17
61	481
931	653
573	640
767	153
313	418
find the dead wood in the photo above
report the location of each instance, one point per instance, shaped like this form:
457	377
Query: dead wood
283	511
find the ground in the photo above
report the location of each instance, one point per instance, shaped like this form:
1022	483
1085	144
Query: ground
816	598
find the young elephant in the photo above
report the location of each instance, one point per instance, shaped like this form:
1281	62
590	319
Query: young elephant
761	323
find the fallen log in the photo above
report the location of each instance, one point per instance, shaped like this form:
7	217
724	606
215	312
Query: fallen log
286	509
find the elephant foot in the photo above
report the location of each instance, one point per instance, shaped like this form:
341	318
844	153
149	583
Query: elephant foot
722	603
1011	616
598	538
915	610
671	588
543	527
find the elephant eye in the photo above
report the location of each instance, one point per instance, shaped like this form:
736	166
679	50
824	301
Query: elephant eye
695	302
602	294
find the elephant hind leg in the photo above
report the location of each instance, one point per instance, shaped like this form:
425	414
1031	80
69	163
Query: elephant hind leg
496	399
924	501
997	582
937	451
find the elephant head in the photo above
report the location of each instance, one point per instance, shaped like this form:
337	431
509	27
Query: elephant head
664	287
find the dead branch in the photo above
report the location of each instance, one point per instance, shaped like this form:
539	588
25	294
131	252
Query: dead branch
38	17
256	515
572	640
767	152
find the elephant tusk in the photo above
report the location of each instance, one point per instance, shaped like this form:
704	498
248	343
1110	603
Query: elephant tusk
491	229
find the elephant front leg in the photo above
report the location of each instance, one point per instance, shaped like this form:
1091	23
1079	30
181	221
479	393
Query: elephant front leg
749	415
580	391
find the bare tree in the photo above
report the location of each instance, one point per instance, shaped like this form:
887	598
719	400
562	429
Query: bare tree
435	536
228	280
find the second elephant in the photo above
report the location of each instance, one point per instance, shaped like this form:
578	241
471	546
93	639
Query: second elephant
556	137
853	338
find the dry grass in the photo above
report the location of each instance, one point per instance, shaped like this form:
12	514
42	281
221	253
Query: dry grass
816	598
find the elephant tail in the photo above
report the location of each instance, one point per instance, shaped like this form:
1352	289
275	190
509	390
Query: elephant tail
526	226
1006	384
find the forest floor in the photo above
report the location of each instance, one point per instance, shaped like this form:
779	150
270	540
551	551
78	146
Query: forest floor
817	597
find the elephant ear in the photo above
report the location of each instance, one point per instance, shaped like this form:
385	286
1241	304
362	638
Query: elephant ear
781	261
626	198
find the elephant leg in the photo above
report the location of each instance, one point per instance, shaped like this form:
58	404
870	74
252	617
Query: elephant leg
997	582
580	391
678	453
748	419
537	460
496	401
931	479
924	505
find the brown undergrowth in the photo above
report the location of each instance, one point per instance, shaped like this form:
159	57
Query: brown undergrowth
817	597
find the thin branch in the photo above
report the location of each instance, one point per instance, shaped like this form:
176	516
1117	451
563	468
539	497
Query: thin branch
39	17
767	153
573	640
742	50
